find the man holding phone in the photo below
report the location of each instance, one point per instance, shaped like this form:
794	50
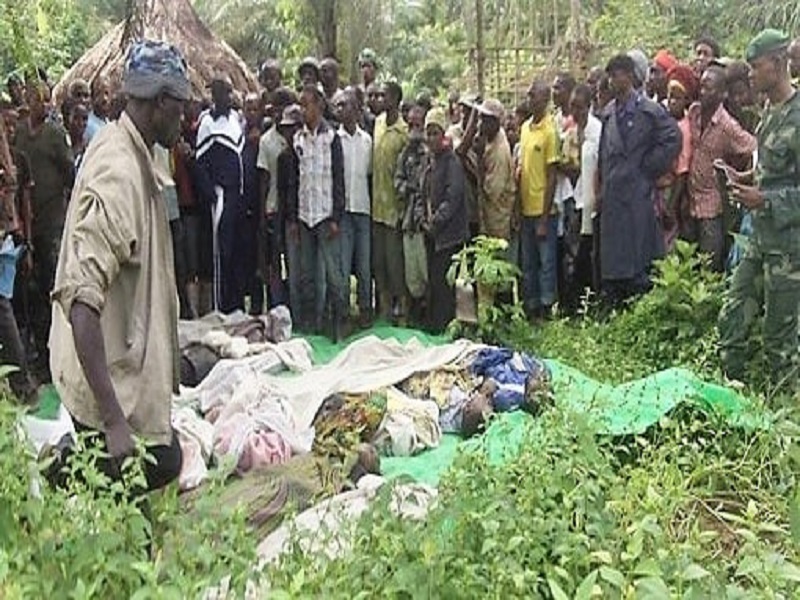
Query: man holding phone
769	273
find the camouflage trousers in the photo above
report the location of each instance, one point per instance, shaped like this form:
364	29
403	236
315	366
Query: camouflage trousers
771	281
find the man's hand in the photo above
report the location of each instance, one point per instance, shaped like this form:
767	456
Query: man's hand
333	230
747	195
119	441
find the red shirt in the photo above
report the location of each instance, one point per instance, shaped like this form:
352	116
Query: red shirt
722	138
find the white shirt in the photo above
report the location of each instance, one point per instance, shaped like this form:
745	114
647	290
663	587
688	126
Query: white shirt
357	151
584	186
270	146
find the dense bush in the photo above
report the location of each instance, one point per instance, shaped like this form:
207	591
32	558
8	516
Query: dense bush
96	543
693	509
698	511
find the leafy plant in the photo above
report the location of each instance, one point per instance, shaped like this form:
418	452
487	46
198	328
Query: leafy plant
96	541
484	265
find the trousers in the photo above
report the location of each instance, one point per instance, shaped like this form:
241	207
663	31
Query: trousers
771	281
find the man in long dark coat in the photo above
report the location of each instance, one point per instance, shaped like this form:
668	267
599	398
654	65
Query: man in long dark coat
639	143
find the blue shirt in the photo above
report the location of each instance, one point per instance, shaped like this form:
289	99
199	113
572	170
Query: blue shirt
93	125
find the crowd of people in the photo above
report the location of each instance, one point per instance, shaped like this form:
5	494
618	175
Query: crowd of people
284	196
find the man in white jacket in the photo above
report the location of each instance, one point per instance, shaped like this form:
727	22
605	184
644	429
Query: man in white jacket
588	133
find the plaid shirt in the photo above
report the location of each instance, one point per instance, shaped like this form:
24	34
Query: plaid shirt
722	138
321	191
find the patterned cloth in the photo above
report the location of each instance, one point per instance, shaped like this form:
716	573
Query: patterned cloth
769	272
408	179
154	67
315	153
723	138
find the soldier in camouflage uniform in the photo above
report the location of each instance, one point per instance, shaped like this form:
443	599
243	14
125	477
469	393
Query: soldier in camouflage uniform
408	181
768	277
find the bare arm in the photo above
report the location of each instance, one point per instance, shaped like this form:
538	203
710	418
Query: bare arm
550	190
87	334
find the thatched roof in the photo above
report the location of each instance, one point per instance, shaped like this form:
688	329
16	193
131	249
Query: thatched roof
174	21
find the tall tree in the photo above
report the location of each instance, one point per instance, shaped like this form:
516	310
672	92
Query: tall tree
323	15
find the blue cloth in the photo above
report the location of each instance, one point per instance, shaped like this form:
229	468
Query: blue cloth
356	255
538	263
510	371
153	67
93	125
9	255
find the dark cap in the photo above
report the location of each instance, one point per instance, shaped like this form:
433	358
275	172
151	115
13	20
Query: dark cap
309	62
153	67
766	42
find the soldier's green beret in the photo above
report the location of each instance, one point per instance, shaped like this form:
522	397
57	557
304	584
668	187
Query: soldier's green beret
766	42
368	57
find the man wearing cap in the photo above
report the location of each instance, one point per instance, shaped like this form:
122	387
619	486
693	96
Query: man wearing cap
768	275
271	144
455	131
639	144
408	181
445	221
220	181
308	71
496	172
468	156
285	176
368	63
114	341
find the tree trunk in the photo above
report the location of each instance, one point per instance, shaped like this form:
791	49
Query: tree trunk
324	16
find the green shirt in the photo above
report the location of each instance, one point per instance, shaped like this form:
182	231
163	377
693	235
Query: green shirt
778	176
50	160
387	206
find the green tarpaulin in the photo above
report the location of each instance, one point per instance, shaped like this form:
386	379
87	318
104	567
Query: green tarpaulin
630	408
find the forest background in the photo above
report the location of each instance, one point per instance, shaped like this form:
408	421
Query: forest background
436	45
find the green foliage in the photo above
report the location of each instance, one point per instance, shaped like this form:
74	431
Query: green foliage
94	541
574	516
484	265
51	34
673	325
623	25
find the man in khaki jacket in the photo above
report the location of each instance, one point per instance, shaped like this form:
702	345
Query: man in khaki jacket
114	343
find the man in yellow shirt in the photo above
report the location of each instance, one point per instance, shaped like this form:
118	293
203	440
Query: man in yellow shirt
391	135
537	180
